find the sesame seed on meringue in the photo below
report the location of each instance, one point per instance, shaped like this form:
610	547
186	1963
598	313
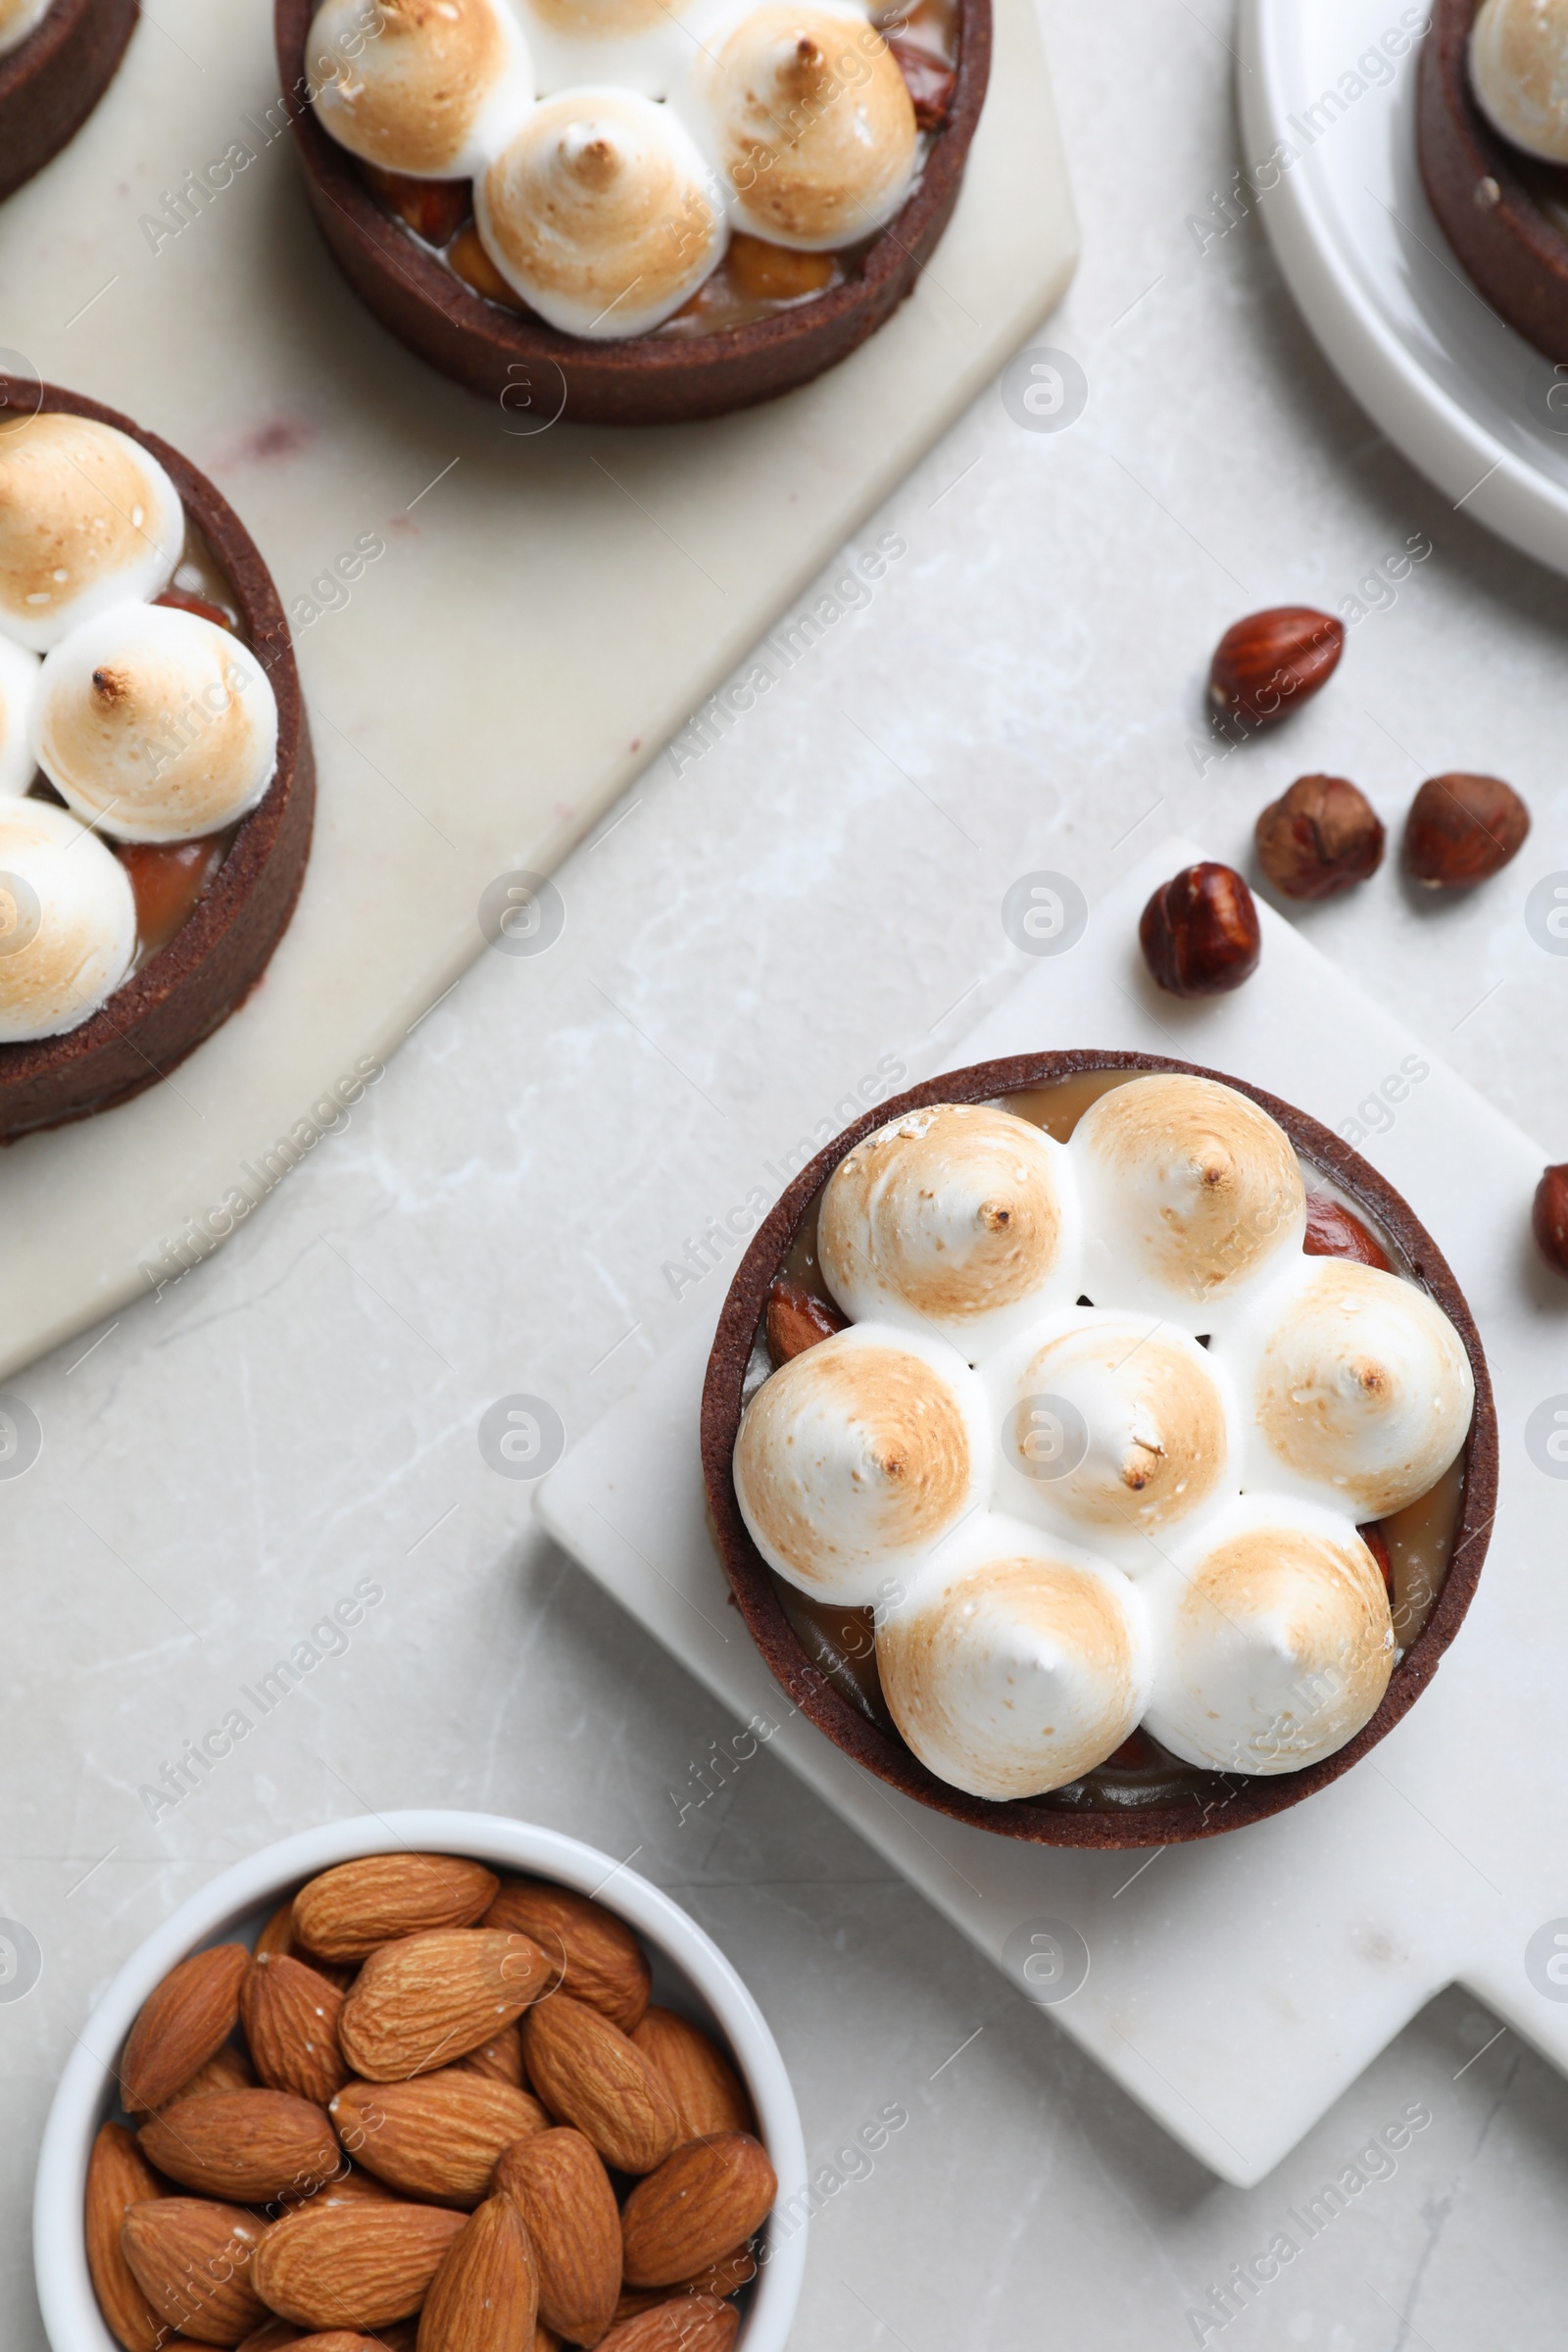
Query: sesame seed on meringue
156	724
1020	1664
429	90
855	1459
1354	1387
1274	1641
1192	1198
601	212
68	921
18	690
87	519
957	1218
1519	73
810	123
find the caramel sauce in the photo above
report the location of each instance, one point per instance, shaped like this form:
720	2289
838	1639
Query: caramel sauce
841	1643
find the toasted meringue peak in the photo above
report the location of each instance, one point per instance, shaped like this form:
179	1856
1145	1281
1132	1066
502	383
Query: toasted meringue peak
958	1218
426	91
1274	1641
18	689
643	45
810	123
19	17
1519	73
1192	1196
1117	1427
1354	1387
156	724
601	212
68	921
855	1459
1022	1664
87	517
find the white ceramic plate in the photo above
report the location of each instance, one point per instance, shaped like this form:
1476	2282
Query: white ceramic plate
690	1973
1464	397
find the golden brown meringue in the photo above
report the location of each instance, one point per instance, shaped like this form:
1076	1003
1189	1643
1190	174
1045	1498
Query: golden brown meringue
1519	73
601	212
812	123
860	1456
19	17
1192	1194
87	517
1022	1667
420	92
957	1218
68	921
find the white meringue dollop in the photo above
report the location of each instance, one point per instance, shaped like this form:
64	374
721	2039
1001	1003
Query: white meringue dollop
1273	1641
429	90
1519	73
600	212
156	724
87	519
68	921
18	691
1193	1196
1021	1665
19	19
809	121
1354	1387
858	1457
1117	1428
958	1218
641	45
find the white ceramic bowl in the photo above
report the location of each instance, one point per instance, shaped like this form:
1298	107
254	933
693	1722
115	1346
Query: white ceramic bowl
690	1973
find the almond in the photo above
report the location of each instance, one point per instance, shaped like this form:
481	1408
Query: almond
563	2195
245	2144
354	2265
281	2335
591	2074
272	2335
501	2058
600	1960
194	2261
227	2069
118	2176
277	1940
183	2022
699	2077
725	2278
346	1912
290	2016
686	2323
439	2136
336	2339
544	2339
422	2002
699	2205
483	2298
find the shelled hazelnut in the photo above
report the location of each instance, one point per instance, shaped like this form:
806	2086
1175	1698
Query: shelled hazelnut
1268	664
1549	1219
1200	932
1319	838
1462	829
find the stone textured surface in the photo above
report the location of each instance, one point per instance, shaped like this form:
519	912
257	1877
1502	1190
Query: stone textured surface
751	935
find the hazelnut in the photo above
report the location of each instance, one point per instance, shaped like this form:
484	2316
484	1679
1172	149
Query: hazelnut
1549	1219
1462	829
1334	1231
1267	664
1200	933
797	1320
1318	837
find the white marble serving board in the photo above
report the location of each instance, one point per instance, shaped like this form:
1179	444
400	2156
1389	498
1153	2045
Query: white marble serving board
1239	1986
548	610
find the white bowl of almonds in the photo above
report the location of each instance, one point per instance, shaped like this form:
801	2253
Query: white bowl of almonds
427	2081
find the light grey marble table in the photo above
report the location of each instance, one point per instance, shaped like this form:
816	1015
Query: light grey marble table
749	935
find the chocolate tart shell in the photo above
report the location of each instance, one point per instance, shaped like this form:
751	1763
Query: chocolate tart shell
1516	255
191	986
50	83
1243	1798
531	369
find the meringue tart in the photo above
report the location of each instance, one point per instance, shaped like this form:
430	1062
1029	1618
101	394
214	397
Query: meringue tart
157	787
632	212
57	59
1491	138
1099	1449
